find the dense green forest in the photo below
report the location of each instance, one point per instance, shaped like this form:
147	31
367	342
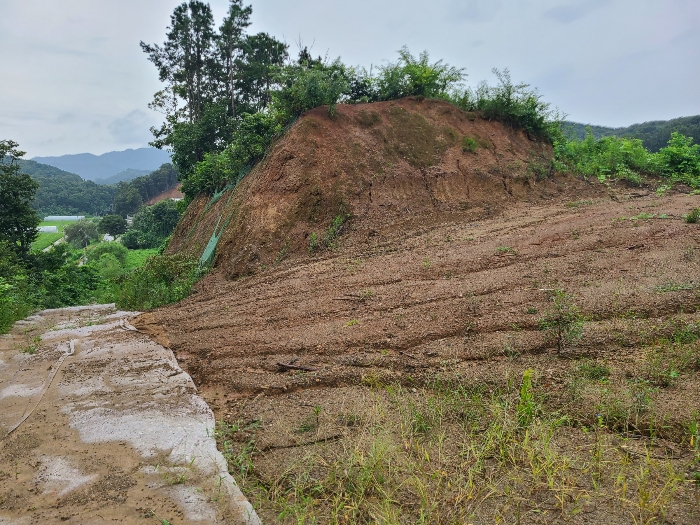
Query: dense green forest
654	135
63	193
130	196
126	175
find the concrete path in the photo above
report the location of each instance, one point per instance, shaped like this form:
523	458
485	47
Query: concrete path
98	424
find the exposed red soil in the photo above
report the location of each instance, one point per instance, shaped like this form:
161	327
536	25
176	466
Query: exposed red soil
383	163
437	290
173	193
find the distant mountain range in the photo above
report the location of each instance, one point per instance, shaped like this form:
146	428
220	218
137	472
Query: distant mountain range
654	135
115	165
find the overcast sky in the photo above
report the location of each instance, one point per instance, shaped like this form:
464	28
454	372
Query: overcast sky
75	80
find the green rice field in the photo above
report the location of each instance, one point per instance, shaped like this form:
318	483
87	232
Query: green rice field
136	258
44	240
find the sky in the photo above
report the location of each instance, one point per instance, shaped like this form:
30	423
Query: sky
75	80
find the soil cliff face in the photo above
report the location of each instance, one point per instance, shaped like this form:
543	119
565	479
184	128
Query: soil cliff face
377	164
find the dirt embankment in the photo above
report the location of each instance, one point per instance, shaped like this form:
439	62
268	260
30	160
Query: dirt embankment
376	381
173	193
461	301
383	165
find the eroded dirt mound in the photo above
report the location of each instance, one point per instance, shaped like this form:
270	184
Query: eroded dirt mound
172	193
380	165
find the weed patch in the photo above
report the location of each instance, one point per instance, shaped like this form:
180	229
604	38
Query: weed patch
163	279
454	453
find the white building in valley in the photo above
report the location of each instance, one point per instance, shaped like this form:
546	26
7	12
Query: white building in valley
65	218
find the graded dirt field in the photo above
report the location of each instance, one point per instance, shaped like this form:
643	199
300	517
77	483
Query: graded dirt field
409	374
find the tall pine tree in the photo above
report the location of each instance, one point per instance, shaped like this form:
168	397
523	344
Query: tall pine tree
18	221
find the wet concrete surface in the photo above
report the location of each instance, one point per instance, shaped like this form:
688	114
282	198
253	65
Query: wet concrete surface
99	424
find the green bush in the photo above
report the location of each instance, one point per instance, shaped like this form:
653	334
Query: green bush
469	145
563	321
14	303
305	88
680	160
115	249
80	234
411	76
609	157
514	104
152	225
163	279
693	217
628	159
70	285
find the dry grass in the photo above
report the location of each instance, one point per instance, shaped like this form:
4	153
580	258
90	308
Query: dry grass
474	453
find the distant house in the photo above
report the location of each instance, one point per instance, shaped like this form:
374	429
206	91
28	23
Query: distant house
65	218
47	229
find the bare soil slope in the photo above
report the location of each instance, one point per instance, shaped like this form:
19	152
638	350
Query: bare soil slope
367	334
173	193
380	164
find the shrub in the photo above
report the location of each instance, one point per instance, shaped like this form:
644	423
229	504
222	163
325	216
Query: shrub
163	279
469	144
609	157
693	216
115	249
514	104
80	234
109	267
628	159
152	225
411	76
680	160
69	285
305	88
14	303
563	321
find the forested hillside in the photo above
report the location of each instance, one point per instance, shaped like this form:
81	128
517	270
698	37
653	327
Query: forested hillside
63	193
126	175
654	135
130	196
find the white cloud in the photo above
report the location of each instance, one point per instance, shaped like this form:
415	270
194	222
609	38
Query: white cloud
75	79
132	128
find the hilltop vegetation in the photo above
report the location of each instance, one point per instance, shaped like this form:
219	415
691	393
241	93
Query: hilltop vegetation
228	95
